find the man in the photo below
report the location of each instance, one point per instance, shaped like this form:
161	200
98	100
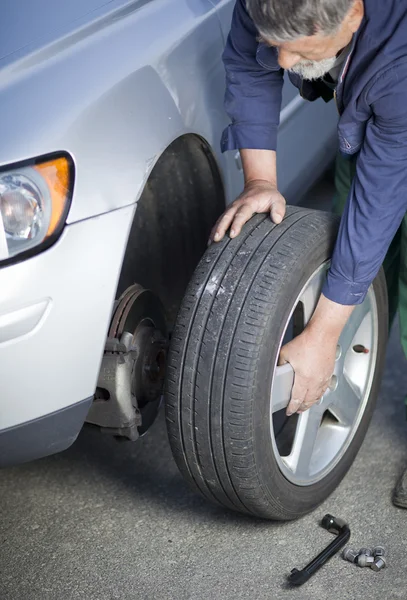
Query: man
357	51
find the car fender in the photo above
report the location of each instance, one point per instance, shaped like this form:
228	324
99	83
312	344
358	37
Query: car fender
115	94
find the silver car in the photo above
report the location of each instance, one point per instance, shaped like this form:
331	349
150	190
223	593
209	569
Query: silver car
111	178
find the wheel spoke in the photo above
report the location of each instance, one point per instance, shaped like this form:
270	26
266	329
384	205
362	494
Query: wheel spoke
310	296
352	326
299	461
345	402
282	386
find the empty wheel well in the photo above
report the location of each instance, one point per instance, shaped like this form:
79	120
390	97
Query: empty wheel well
175	213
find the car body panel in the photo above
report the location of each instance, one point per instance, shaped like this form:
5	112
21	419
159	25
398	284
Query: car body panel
129	94
112	83
55	362
29	22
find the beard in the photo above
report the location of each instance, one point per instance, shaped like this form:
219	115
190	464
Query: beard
313	69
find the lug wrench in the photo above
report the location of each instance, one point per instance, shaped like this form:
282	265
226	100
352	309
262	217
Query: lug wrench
333	525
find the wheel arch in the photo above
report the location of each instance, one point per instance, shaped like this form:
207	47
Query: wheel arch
178	205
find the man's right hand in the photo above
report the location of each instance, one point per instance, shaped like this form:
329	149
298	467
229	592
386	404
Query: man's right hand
259	196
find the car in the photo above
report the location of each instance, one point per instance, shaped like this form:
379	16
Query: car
111	178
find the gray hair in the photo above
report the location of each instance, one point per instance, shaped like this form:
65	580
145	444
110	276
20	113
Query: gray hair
287	20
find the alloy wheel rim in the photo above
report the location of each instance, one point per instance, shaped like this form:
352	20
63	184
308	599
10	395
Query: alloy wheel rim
316	440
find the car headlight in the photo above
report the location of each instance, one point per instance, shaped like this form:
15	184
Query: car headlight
34	203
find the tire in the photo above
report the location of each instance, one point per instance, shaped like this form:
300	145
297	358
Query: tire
222	362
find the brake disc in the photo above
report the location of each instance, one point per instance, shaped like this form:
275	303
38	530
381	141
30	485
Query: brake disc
131	378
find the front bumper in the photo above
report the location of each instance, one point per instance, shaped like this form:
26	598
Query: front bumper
54	314
44	436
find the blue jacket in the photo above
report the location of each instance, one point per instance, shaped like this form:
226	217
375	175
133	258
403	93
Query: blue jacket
372	102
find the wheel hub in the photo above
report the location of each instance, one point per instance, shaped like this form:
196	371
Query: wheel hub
131	379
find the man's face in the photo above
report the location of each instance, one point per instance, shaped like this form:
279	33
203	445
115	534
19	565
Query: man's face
313	69
313	56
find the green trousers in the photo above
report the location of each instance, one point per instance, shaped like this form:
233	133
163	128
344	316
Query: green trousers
395	263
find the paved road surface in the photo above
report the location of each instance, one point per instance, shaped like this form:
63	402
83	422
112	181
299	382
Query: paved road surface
115	521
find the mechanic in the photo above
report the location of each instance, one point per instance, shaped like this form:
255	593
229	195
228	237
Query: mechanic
355	51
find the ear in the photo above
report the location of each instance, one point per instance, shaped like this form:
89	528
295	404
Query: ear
355	15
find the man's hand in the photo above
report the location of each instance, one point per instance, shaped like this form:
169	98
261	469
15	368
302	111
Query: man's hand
313	361
312	354
259	196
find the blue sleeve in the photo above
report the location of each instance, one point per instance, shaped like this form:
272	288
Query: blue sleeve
253	90
377	200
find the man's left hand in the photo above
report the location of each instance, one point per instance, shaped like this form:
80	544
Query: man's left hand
313	361
312	354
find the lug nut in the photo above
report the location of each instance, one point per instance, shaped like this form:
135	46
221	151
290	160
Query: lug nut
378	564
350	555
379	551
365	551
365	561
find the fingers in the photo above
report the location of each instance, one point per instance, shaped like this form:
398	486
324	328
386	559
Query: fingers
306	405
307	401
293	406
302	397
259	198
243	215
300	405
277	210
234	218
223	224
313	365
